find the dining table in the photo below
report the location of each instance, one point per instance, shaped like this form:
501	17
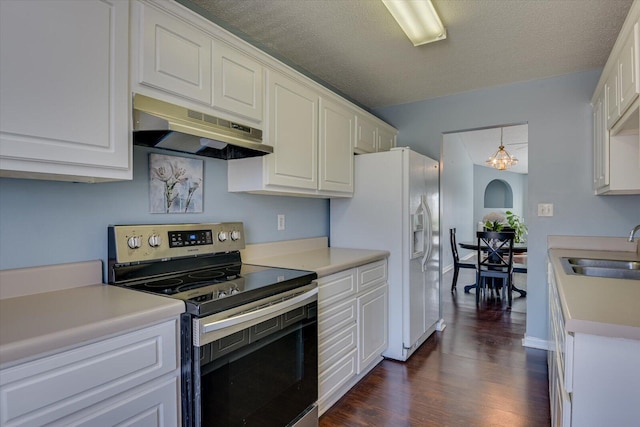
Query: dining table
518	248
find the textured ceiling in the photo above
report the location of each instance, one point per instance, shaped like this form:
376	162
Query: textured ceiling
356	47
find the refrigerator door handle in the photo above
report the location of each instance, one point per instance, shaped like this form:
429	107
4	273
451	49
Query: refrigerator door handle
427	233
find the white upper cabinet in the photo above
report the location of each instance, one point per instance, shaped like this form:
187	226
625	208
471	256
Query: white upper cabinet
600	145
293	133
312	139
616	116
175	56
612	100
188	63
367	135
65	105
373	135
621	77
337	132
386	138
237	82
628	70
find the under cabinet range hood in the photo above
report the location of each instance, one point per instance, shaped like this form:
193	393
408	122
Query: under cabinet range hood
168	126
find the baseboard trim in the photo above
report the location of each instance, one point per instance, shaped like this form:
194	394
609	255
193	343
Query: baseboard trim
533	342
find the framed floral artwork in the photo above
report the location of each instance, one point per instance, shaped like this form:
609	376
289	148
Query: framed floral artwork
175	184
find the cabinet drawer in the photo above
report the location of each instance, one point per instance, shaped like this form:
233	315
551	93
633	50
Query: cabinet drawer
335	347
47	389
336	318
370	274
336	287
335	377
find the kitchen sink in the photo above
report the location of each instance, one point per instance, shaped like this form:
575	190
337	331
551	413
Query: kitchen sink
614	269
604	263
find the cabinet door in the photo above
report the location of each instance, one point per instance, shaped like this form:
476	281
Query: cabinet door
611	98
366	136
293	132
155	405
237	82
386	140
600	146
337	132
628	72
176	57
372	326
64	109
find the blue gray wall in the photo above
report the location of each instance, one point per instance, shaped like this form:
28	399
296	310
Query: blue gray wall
456	190
49	222
560	158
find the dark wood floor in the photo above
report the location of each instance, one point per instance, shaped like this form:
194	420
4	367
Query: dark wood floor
474	373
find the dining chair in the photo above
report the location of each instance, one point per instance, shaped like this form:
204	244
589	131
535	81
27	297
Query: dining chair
495	261
457	265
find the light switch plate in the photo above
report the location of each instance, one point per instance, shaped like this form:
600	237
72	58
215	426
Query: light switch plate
280	222
545	209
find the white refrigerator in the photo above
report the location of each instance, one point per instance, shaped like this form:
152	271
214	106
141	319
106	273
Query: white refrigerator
395	207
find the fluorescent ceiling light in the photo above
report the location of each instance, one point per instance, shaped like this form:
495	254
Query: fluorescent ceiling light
418	19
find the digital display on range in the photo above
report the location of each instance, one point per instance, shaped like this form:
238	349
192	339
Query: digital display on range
178	239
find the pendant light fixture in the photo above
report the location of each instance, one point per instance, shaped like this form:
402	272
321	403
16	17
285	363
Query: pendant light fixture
418	19
501	160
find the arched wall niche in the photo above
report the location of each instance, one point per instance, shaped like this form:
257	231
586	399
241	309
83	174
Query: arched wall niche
498	194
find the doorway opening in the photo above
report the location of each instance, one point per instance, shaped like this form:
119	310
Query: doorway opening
471	190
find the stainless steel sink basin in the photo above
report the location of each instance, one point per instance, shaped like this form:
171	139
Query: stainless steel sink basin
604	263
615	269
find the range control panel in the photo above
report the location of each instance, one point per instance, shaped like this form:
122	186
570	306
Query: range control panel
148	242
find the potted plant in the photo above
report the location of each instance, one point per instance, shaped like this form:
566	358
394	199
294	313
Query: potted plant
494	221
519	227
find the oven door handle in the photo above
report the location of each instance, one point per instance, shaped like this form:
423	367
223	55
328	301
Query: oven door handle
270	311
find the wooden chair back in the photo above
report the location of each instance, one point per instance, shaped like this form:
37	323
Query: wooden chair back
495	250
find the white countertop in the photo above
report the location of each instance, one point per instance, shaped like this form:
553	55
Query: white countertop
66	314
596	305
324	261
58	317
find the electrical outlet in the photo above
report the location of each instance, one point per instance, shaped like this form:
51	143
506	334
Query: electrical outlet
280	222
545	209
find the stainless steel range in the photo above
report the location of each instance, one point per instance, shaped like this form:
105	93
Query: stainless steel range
249	334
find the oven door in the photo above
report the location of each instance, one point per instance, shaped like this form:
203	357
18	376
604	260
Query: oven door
258	365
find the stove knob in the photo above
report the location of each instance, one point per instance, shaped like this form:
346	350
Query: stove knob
154	241
234	291
134	242
222	294
222	236
235	235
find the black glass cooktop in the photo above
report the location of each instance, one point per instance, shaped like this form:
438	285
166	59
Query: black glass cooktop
209	291
211	283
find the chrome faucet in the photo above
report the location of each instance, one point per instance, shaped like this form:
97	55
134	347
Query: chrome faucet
633	232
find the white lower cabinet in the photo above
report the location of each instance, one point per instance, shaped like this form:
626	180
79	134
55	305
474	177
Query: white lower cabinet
130	379
593	380
352	328
372	326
